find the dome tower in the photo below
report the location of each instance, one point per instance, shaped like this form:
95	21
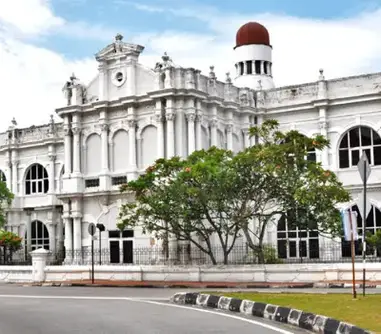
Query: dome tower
253	57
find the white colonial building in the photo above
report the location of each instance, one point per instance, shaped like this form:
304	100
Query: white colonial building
67	175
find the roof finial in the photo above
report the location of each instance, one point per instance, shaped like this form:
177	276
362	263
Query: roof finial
165	57
321	76
118	37
259	84
212	75
73	77
228	78
14	123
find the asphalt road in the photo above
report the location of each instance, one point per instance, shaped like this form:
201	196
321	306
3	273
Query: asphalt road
40	310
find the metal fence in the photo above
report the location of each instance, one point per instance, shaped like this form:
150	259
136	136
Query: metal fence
333	252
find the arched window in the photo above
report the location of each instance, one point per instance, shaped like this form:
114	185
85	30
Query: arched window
2	176
36	180
373	223
40	236
294	242
355	142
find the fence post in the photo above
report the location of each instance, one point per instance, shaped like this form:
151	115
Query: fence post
39	260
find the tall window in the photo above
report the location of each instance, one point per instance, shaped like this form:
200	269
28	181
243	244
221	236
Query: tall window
40	236
295	242
372	224
36	180
355	142
2	176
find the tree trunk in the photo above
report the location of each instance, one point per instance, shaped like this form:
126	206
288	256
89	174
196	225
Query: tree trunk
261	255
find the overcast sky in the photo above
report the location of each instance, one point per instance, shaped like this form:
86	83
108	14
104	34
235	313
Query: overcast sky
42	42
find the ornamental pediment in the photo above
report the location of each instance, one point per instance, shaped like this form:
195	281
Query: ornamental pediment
118	48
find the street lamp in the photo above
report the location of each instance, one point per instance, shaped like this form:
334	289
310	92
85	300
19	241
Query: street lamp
101	228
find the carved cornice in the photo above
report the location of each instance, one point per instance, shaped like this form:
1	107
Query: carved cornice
214	123
76	130
105	127
158	118
190	117
132	123
323	125
52	157
170	116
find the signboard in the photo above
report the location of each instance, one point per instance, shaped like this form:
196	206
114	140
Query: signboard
364	172
91	229
360	205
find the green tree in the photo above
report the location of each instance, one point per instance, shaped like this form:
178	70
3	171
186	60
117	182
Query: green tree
194	199
6	198
283	181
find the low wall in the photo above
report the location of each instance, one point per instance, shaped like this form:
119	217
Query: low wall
303	273
16	273
295	273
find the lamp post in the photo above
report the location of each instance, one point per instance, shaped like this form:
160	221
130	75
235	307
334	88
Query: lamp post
101	228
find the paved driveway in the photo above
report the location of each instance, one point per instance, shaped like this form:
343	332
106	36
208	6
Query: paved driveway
64	310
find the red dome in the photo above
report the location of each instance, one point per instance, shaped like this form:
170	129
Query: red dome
252	33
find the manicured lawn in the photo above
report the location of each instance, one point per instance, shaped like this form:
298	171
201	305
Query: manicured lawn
363	312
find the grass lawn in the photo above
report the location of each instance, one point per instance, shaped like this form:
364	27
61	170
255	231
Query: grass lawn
363	312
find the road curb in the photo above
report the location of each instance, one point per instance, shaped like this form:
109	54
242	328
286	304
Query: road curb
309	321
203	285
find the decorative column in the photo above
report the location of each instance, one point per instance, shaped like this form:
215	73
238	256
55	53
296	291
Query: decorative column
213	130
132	149
101	82
29	231
170	117
67	146
68	238
52	237
77	238
181	144
323	124
52	172
104	139
191	137
198	132
246	138
160	129
131	76
76	150
60	239
8	171
15	164
229	135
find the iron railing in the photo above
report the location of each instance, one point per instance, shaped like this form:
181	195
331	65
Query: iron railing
241	254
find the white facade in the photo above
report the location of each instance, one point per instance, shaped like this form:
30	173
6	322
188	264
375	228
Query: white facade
67	175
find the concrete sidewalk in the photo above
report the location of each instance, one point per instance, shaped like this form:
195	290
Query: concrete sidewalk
208	285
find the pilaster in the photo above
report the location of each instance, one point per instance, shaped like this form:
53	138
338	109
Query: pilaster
104	177
160	129
213	131
180	129
52	169
15	164
229	137
191	133
132	170
170	117
67	146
